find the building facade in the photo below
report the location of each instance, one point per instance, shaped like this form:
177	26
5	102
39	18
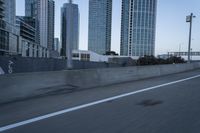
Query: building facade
56	45
31	49
51	16
28	46
10	11
138	27
17	37
84	55
100	21
31	8
9	33
26	31
2	9
2	33
43	11
69	28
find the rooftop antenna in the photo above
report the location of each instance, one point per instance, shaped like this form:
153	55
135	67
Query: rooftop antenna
70	1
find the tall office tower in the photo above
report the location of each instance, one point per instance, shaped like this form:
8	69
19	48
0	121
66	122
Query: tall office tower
31	8
51	16
138	27
43	13
100	21
31	12
69	28
10	11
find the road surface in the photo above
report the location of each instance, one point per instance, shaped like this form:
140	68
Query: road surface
168	104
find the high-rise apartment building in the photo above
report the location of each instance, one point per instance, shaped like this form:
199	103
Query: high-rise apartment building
100	21
69	28
138	27
26	31
43	13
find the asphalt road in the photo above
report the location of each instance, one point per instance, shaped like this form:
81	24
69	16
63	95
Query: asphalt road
168	104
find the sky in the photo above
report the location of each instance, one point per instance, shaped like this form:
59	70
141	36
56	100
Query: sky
172	31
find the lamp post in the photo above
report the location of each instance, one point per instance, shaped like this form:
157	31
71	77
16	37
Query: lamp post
189	20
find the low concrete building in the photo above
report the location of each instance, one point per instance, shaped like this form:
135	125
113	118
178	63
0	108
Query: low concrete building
84	55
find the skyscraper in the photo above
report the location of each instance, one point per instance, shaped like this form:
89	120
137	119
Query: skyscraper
31	8
10	11
138	27
69	28
31	12
43	13
100	21
51	16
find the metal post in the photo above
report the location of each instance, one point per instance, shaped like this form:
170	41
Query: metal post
189	19
69	45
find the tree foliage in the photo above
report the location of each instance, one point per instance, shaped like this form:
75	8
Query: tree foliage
151	60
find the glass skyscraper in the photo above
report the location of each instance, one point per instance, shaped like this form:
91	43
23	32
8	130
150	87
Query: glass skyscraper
138	27
51	23
10	11
43	13
100	21
69	28
31	8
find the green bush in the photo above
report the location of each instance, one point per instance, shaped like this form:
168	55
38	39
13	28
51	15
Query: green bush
151	60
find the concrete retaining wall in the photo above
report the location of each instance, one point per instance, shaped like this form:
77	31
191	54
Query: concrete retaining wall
20	86
23	65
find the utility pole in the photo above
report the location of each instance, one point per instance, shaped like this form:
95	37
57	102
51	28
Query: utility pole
189	20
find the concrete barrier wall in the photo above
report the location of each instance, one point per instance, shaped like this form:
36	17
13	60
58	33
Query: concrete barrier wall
26	65
20	86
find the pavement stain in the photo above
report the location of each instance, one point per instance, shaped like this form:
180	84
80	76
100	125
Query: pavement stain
150	103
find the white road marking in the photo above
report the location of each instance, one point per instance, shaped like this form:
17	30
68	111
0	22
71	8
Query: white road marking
11	126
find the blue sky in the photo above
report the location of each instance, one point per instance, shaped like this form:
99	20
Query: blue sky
172	30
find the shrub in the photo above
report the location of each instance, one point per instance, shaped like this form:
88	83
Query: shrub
151	60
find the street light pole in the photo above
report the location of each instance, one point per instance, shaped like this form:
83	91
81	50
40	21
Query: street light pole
189	19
